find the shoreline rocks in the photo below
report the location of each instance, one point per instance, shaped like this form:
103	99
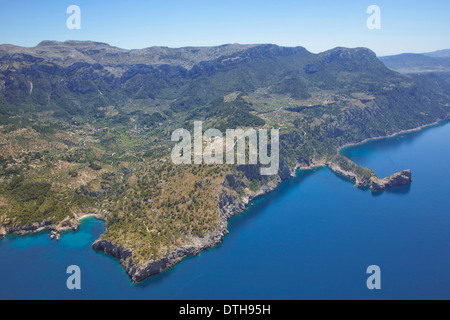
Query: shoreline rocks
55	229
401	178
359	181
141	271
397	179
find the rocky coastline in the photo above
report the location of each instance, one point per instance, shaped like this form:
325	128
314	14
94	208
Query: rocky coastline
397	179
230	205
36	227
55	229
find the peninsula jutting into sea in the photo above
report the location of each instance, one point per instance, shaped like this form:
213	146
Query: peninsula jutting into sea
86	130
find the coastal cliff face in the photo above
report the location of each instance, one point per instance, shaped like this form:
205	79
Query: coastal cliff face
360	181
376	184
70	223
397	179
139	271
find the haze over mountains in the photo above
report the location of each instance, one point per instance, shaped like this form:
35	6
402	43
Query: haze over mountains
437	62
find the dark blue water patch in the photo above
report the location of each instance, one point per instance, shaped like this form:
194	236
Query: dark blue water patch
312	238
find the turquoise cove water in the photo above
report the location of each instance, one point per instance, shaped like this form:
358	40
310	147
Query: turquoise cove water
312	238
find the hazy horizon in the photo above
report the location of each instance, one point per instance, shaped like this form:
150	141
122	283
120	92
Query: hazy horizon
219	45
405	26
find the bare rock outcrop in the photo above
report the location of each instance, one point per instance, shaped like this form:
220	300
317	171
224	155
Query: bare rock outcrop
397	179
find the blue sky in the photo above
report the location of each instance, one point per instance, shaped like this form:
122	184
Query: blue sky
406	26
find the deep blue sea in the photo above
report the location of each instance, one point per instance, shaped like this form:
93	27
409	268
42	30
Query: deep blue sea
312	238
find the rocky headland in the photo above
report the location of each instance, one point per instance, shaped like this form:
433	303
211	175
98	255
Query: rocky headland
397	179
231	204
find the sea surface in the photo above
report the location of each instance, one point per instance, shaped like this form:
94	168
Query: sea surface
312	238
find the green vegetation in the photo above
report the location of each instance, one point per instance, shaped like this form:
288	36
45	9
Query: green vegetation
228	115
33	202
255	185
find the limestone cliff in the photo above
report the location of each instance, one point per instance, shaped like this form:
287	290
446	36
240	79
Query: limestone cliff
397	179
